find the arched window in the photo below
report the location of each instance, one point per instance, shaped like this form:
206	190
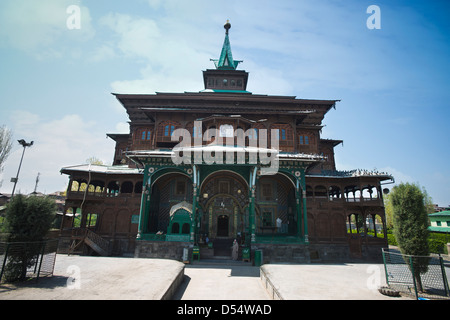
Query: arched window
175	228
168	130
126	187
334	193
186	229
226	131
164	133
113	189
138	187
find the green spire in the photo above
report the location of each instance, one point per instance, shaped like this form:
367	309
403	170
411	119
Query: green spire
226	61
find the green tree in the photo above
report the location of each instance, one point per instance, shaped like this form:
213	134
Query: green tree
410	221
28	219
388	209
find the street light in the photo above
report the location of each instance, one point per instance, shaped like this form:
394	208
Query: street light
24	144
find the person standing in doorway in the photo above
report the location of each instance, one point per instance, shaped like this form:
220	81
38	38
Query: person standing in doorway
235	252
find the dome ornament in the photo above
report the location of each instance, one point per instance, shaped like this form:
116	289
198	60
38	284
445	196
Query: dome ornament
227	26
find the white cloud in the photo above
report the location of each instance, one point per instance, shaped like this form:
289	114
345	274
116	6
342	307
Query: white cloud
400	177
168	61
67	141
122	127
35	26
102	53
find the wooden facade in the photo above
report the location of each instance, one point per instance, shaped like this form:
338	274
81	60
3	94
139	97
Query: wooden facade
281	191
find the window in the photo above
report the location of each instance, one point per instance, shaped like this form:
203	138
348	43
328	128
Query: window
168	130
91	220
180	188
186	229
142	137
175	228
197	132
304	140
267	219
164	134
266	191
226	131
284	135
146	135
224	187
255	132
126	187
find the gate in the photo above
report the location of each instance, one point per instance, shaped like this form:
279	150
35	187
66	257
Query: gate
23	260
399	270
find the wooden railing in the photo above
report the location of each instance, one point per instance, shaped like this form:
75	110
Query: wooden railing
93	240
98	243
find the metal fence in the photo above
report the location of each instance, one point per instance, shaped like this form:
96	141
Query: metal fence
23	260
399	269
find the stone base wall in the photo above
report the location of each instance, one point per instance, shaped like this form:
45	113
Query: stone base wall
302	253
162	250
330	253
273	253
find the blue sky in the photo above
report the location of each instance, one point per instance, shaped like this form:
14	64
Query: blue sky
56	82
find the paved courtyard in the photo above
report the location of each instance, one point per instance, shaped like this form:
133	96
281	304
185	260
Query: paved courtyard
98	278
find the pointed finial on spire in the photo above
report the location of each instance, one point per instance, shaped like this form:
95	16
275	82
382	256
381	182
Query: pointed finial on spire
227	26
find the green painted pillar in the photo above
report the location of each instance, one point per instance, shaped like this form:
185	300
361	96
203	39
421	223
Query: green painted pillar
298	210
145	203
195	193
252	215
305	215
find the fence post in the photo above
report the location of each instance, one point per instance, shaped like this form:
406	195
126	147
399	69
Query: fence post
444	276
4	261
414	278
385	268
42	258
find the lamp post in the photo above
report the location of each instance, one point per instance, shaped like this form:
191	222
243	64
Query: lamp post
25	145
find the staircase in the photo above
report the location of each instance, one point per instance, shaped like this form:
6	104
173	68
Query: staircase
90	238
222	247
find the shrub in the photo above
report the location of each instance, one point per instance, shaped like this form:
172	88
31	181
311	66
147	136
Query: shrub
28	219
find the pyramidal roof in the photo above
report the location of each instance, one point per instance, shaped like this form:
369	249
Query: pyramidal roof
226	61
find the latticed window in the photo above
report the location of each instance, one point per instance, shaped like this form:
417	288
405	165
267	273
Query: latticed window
266	191
307	141
168	130
303	140
143	137
253	134
165	130
285	136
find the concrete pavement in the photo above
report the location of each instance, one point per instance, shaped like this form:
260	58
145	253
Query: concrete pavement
325	281
100	278
227	280
95	278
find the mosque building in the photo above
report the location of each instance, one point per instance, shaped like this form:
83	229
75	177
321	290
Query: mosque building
200	169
